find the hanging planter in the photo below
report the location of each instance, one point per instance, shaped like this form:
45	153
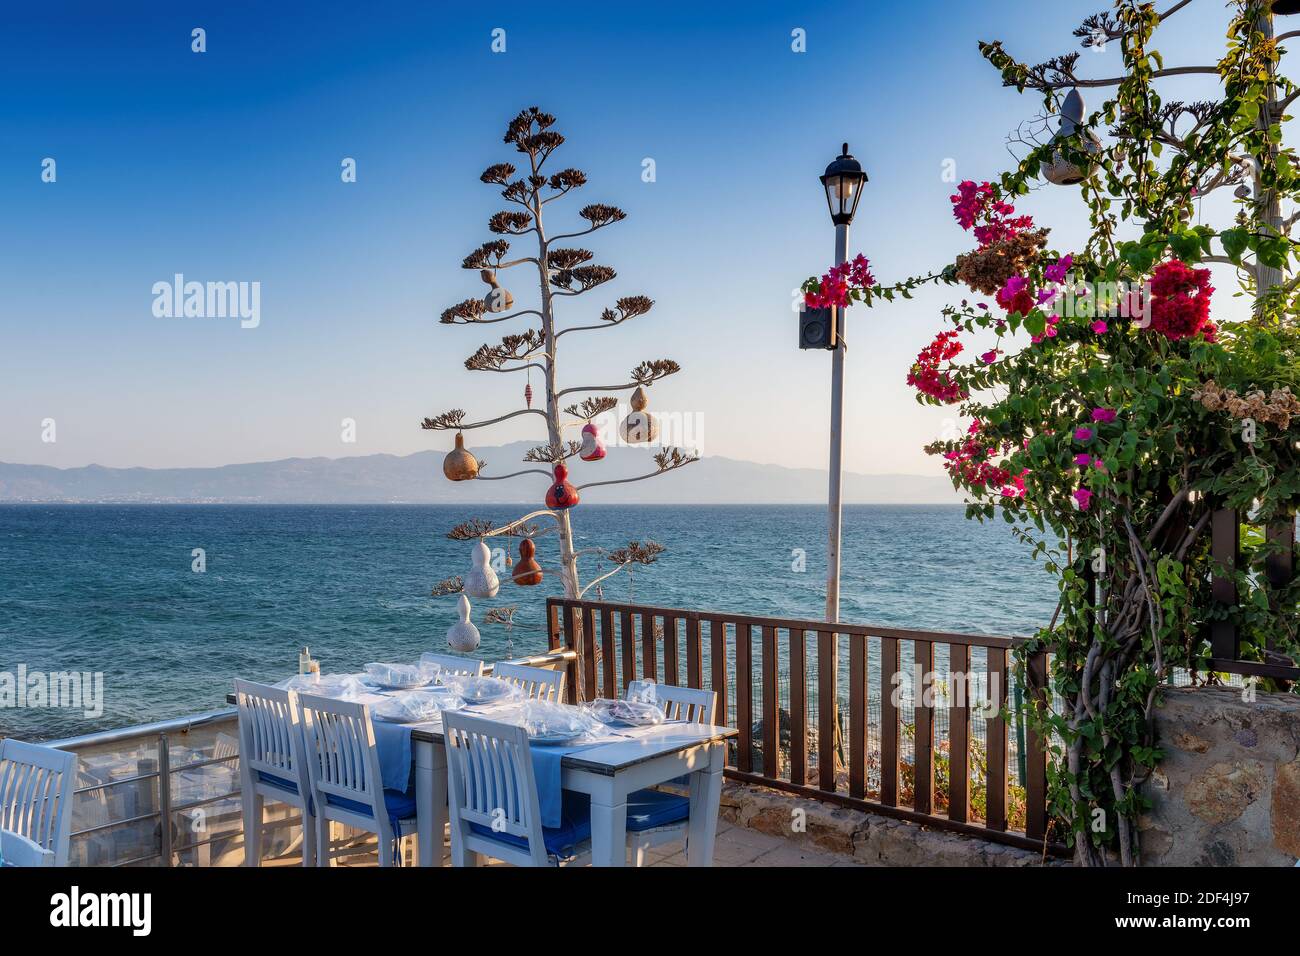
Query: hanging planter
460	465
593	448
562	495
463	635
482	581
640	426
527	572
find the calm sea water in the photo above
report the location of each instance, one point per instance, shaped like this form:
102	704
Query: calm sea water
110	588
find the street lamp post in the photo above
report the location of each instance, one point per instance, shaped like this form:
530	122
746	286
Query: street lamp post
842	181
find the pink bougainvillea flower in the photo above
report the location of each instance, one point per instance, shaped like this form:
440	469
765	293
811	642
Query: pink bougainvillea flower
1059	269
925	375
1210	332
1100	327
1103	414
1015	296
1035	339
1083	461
1179	300
974	427
1083	497
982	305
1053	319
989	357
1083	434
1045	294
1051	332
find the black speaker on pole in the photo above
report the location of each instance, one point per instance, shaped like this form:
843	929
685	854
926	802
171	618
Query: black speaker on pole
818	328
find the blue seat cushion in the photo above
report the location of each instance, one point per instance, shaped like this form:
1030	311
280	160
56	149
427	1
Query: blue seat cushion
400	806
647	809
273	781
574	828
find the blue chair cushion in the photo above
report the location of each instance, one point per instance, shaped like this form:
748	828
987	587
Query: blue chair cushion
400	806
647	809
574	828
274	781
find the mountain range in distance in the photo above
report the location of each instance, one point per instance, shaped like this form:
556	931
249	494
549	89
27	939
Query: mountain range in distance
418	479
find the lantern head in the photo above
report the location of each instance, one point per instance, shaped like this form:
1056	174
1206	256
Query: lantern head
843	181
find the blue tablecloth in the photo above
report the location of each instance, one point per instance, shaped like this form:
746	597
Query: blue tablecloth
393	742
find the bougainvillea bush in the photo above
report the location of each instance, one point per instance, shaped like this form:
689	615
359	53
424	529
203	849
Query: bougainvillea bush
1116	410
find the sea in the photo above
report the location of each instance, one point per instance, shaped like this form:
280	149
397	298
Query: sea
170	603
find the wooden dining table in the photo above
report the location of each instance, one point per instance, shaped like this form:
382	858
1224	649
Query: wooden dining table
608	773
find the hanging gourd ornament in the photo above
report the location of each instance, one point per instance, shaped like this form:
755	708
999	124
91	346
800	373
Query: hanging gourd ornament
593	449
460	465
528	394
482	581
1060	170
499	299
463	635
640	425
527	571
562	494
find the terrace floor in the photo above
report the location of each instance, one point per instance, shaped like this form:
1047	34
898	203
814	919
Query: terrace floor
736	846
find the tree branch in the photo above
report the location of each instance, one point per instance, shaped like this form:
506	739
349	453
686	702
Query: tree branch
445	422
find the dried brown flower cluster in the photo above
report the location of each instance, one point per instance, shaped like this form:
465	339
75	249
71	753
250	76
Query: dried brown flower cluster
637	552
589	408
987	270
1278	407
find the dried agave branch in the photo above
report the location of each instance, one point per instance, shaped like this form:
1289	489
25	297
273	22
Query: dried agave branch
649	372
568	258
601	215
487	256
589	408
671	458
637	552
511	223
476	528
551	454
504	616
586	278
446	421
449	586
512	348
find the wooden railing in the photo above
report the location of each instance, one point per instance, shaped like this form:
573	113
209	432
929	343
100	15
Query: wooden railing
933	753
1279	570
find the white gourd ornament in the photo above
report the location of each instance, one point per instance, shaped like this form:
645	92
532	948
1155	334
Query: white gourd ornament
463	635
639	426
482	581
593	448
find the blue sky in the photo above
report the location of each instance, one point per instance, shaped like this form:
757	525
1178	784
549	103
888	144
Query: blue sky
224	166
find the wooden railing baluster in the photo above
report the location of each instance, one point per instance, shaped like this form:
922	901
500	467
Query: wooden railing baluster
959	732
923	736
798	708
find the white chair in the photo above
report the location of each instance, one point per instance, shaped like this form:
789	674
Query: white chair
36	785
457	666
493	802
272	764
653	816
346	781
536	682
687	703
17	850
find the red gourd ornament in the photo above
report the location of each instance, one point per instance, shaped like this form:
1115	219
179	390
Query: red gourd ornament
593	449
527	571
562	494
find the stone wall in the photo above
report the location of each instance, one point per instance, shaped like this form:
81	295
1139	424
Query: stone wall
1228	790
866	837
